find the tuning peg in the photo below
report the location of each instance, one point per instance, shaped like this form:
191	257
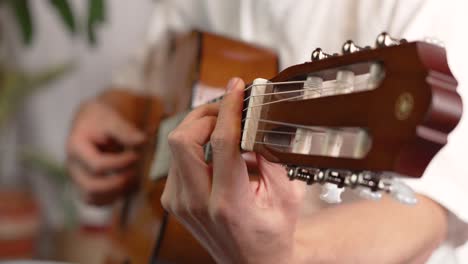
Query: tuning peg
385	40
331	193
350	47
402	192
434	41
318	54
368	194
398	190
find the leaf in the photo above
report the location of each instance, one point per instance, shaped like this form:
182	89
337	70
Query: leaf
38	161
57	172
21	9
64	9
15	86
96	15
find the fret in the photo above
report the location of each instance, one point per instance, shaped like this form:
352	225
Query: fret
161	163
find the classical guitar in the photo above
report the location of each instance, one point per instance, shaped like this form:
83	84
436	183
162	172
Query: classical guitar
359	120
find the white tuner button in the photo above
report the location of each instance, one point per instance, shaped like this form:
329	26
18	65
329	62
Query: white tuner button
331	193
402	192
366	193
318	54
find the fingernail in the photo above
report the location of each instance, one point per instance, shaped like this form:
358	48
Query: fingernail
232	83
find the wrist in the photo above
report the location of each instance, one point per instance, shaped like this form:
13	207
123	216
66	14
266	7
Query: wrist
309	249
299	252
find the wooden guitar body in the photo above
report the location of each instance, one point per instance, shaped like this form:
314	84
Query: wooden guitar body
200	62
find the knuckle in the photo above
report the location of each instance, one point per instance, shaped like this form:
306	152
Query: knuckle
178	209
197	210
173	205
177	138
220	213
220	142
165	201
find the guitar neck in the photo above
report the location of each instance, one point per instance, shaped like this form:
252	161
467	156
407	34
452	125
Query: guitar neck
161	162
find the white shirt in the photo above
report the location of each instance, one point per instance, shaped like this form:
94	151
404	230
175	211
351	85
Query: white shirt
295	27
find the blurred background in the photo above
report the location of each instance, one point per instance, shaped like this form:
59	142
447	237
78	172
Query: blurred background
53	55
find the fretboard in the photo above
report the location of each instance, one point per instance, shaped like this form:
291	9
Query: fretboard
161	162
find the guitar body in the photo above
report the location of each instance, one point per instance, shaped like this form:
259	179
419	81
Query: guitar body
199	65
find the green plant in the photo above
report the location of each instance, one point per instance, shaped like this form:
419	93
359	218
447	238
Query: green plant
56	171
24	18
16	85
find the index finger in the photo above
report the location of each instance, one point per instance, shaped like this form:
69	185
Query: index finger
201	111
229	168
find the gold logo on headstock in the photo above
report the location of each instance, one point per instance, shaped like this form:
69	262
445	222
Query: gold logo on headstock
404	106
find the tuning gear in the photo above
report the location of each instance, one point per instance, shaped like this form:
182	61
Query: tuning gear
400	191
368	194
385	40
434	41
331	193
318	54
367	184
350	47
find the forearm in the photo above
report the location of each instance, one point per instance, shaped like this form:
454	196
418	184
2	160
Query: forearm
372	232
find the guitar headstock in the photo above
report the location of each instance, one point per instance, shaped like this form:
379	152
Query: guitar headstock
346	119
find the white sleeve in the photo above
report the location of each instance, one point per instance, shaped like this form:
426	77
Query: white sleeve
446	178
169	16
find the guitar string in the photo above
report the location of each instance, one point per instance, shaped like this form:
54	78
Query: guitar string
282	92
285	132
325	89
253	85
328	83
313	129
273	132
294	98
332	82
261	84
268	143
276	122
280	100
285	92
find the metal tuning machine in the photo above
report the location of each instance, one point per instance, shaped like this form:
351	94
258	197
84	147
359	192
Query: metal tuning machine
385	40
318	54
367	184
350	47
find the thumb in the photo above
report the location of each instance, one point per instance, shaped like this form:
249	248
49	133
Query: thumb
286	192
